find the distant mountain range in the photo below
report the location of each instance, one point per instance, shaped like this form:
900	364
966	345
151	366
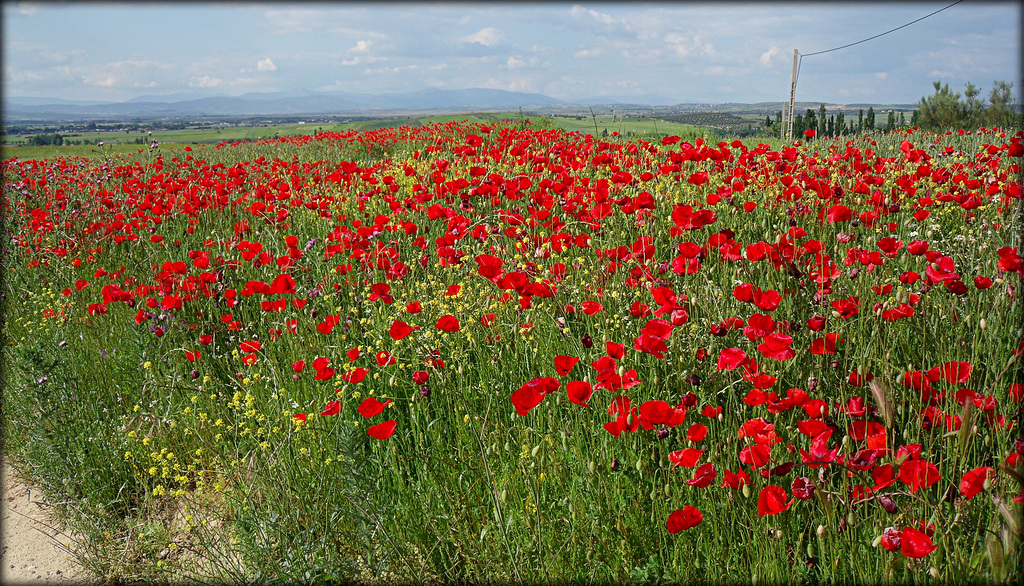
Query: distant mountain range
339	103
276	103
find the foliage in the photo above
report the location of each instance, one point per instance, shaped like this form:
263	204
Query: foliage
946	110
503	352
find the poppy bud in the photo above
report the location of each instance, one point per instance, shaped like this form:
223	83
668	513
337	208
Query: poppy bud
821	533
888	504
746	491
535	451
983	324
591	467
630	419
615	463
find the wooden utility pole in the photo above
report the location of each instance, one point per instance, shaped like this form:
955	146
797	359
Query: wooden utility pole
792	98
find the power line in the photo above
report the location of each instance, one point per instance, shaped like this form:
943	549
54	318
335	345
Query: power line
881	34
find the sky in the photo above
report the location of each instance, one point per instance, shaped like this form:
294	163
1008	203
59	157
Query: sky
667	52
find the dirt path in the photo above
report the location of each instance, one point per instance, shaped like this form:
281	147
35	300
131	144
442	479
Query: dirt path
34	549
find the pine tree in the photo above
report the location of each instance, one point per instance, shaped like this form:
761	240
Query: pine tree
890	122
973	108
941	111
840	124
860	121
869	120
1002	109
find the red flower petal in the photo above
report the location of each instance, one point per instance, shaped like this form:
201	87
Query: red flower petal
332	408
772	501
680	520
371	407
382	431
916	544
973	482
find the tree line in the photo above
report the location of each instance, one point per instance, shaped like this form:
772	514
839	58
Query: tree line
944	110
947	110
824	124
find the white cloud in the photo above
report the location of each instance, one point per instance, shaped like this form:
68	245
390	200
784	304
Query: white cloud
882	75
766	57
488	37
204	81
24	8
588	53
266	65
601	17
513	85
515	63
360	53
108	81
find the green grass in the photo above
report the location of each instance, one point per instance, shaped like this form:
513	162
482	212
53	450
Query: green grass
175	468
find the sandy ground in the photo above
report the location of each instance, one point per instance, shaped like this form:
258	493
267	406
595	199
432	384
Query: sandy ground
34	548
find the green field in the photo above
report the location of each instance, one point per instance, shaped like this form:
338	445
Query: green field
119	142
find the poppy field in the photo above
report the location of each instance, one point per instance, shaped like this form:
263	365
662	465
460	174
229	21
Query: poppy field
508	353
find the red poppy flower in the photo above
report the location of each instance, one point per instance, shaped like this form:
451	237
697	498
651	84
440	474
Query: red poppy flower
915	544
825	345
680	520
399	330
816	323
192	356
735	480
354	377
591	307
385	358
847	307
703	476
772	501
767	300
776	347
332	408
687	457
579	392
731	359
250	346
803	488
564	364
420	377
371	407
973	482
448	323
918	474
755	455
956	372
696	432
532	393
382	431
614	350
